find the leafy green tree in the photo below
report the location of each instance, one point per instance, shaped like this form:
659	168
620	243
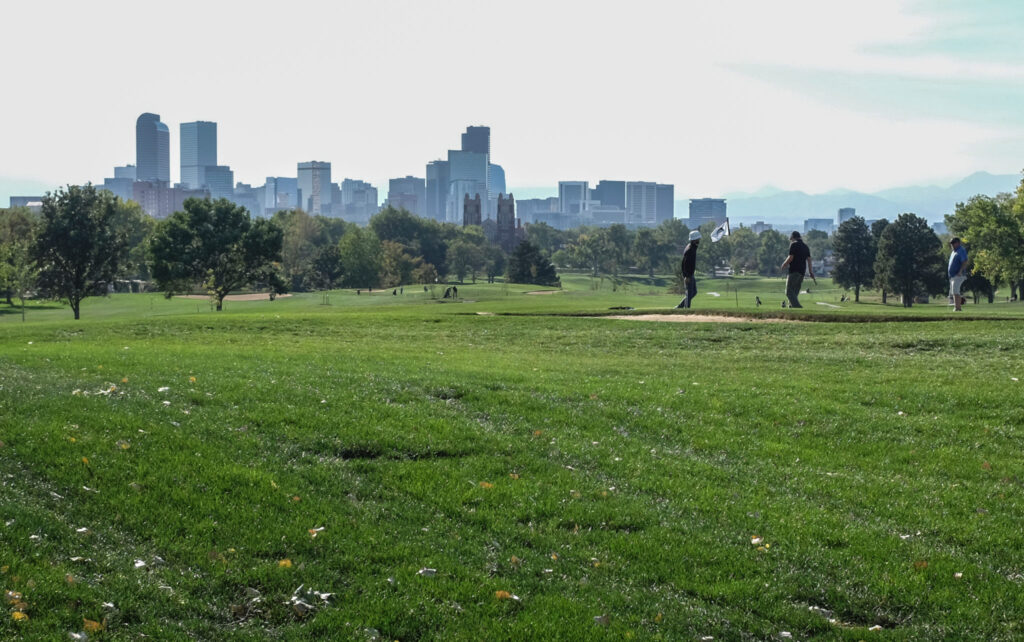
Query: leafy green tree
529	265
773	251
854	249
546	238
302	236
908	260
979	286
17	225
139	227
421	237
217	246
992	228
396	265
360	258
327	267
744	246
877	227
18	270
711	256
494	262
80	248
818	242
464	257
593	250
620	240
649	251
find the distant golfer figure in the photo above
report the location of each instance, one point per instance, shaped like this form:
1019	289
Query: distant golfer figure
957	271
757	299
799	261
689	266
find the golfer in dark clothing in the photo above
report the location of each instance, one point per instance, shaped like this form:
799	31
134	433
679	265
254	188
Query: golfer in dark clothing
689	266
799	261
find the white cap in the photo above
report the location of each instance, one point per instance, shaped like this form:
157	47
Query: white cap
695	235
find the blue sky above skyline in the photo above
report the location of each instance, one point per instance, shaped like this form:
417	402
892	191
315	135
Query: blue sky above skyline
713	97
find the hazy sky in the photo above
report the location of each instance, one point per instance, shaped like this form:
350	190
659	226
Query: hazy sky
711	96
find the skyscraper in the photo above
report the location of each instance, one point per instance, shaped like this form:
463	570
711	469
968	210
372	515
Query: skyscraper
666	208
220	180
315	187
198	143
641	203
407	193
437	189
572	195
477	139
611	193
467	174
845	214
152	149
706	210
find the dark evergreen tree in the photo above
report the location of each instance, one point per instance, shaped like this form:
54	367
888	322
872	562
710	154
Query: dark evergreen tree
528	265
908	261
854	249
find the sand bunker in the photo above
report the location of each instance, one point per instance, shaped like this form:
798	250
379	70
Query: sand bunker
544	292
694	318
232	297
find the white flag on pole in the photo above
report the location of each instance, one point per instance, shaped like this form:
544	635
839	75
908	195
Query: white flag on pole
720	231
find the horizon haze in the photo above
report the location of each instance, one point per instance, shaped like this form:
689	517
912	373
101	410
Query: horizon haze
714	99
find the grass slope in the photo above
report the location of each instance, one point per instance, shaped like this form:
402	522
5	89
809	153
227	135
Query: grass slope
612	475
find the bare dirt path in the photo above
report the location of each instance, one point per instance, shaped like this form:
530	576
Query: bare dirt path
693	318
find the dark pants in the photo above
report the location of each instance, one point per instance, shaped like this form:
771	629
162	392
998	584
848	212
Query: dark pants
691	291
793	283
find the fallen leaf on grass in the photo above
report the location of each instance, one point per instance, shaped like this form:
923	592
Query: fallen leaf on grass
484	484
514	475
313	532
658	618
191	379
92	626
123	445
986	466
505	595
285	563
755	540
921	565
19	616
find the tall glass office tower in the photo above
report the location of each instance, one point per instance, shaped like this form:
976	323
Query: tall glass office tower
152	149
198	151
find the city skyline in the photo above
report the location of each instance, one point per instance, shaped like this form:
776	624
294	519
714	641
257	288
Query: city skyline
798	95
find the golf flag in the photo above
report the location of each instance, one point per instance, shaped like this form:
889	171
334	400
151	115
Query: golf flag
720	231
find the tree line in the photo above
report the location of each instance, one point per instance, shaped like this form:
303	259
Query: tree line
907	258
86	242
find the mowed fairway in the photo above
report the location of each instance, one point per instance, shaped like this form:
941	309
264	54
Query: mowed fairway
181	475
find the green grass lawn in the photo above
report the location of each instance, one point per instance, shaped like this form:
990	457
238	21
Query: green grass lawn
179	473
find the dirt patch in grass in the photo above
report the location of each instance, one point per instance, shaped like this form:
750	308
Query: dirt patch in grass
694	318
232	297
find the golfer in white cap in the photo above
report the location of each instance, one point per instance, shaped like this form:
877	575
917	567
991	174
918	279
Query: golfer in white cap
689	265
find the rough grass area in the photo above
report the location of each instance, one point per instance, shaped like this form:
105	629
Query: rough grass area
454	476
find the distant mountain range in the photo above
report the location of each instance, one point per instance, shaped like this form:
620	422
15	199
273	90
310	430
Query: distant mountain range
793	207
